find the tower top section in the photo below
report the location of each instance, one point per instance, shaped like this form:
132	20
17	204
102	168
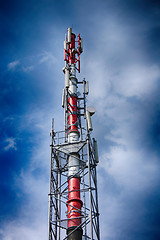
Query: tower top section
72	49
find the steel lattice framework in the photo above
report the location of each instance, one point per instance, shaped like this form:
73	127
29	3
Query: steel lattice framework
84	221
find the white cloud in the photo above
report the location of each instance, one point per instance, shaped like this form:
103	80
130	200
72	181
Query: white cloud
13	65
47	57
10	144
15	230
137	80
99	79
116	65
117	70
131	169
28	68
32	221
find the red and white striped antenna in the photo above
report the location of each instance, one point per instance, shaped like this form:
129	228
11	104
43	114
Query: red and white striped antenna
74	158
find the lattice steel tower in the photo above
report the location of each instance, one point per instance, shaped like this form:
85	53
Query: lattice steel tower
73	200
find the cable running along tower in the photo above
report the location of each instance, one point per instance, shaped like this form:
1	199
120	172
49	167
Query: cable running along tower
73	200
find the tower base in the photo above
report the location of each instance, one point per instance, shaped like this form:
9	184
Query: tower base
76	235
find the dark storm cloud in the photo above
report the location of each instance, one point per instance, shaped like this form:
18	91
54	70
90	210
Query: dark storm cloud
148	126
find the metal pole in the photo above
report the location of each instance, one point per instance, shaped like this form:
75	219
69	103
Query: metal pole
59	232
50	187
90	194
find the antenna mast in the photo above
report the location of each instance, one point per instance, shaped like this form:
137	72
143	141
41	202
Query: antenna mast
73	199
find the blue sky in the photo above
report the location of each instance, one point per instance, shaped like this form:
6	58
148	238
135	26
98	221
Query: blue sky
121	61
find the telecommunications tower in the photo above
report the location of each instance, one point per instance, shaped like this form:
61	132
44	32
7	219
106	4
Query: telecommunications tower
73	199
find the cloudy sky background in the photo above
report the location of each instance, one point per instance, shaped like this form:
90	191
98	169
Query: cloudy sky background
121	61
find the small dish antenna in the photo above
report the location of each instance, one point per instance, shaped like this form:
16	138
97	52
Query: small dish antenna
91	110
